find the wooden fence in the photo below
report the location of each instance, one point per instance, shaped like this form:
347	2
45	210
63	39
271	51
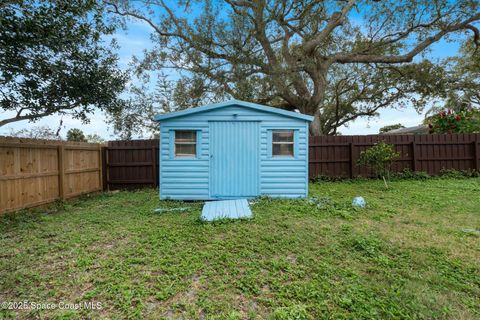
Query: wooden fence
131	164
35	172
134	164
337	156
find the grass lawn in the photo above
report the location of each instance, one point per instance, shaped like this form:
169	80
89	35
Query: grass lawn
409	254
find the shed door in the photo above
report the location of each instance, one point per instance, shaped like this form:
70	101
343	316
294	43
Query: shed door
234	159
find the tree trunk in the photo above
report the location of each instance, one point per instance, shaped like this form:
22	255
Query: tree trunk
315	127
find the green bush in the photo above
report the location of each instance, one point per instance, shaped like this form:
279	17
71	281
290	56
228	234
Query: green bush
449	121
322	178
459	174
407	174
379	158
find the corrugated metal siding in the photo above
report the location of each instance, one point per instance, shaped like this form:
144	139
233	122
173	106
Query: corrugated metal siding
191	179
234	160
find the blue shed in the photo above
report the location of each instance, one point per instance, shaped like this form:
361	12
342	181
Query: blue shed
231	150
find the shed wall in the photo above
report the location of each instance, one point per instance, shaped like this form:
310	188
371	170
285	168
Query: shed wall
188	179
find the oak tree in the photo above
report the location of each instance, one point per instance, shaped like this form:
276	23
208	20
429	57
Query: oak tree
335	60
53	60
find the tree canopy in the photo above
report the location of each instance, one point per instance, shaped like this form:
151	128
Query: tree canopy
76	134
390	127
53	60
459	88
37	132
335	60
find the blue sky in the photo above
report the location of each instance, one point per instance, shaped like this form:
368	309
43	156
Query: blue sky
136	38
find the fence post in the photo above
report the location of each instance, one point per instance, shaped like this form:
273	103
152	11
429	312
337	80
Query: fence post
352	165
476	153
414	156
154	167
61	171
104	168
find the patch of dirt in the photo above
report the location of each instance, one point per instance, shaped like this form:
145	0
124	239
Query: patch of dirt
194	288
246	306
266	289
157	273
291	258
151	308
56	263
219	236
113	244
188	297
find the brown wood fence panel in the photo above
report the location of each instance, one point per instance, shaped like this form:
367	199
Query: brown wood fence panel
35	172
337	156
134	164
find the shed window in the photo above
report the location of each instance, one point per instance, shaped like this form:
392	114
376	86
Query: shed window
282	143
185	143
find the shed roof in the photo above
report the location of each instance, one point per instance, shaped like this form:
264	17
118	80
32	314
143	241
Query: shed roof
245	104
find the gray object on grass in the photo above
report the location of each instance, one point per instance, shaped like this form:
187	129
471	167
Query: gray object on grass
359	202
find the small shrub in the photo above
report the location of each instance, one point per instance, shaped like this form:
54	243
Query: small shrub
379	158
459	174
322	178
407	174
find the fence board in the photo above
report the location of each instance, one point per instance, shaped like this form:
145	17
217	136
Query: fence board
35	172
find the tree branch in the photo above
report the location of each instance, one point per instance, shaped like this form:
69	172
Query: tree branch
116	10
335	20
476	34
24	117
366	58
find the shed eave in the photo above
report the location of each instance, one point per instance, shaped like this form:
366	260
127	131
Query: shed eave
251	105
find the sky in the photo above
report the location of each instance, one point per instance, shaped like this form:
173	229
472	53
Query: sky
136	38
